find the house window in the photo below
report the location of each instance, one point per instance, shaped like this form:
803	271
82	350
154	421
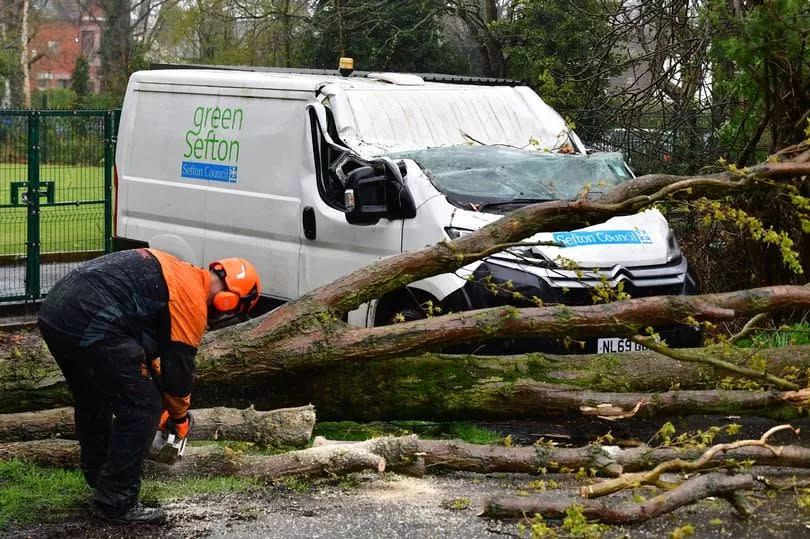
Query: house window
54	46
42	81
88	43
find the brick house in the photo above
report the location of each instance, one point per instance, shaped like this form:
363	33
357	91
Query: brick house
63	31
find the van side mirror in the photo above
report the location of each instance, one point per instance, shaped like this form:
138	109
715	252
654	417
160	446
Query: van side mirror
372	194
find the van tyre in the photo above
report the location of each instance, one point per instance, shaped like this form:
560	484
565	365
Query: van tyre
408	313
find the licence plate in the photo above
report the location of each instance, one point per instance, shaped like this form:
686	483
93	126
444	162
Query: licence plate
614	345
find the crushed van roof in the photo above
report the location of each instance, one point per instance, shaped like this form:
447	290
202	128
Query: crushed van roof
376	117
252	79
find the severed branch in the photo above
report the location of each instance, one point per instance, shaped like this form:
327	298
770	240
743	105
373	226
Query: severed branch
651	477
554	505
284	427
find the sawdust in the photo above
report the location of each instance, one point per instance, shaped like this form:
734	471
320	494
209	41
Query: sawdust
402	489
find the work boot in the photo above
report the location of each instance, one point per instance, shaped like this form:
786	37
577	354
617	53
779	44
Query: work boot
137	514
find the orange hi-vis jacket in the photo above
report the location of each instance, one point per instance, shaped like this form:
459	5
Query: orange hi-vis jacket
188	315
145	294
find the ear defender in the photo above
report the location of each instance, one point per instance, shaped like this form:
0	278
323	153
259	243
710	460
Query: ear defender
241	283
225	301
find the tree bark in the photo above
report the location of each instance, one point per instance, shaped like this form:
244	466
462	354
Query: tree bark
403	452
24	67
244	352
375	454
287	427
554	504
440	386
307	335
608	461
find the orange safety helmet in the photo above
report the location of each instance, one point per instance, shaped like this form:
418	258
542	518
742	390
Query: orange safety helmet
242	285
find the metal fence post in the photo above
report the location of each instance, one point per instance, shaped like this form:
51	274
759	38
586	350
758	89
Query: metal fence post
109	134
32	201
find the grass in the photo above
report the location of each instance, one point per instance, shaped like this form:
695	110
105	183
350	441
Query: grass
351	431
31	494
62	228
154	491
28	492
796	334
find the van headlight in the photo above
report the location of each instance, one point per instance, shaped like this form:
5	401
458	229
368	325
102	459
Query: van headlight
455	233
673	249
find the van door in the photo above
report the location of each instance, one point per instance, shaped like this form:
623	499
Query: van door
331	247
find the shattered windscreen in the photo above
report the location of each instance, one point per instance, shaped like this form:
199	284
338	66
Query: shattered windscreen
493	175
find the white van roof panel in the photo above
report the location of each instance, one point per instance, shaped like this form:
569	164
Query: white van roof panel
375	120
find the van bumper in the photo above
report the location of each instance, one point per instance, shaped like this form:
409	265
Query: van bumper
518	288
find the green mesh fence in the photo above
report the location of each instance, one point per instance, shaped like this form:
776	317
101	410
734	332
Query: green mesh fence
55	196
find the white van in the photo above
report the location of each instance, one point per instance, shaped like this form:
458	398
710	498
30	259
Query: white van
313	176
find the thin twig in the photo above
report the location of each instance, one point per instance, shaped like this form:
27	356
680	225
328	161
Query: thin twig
650	477
749	327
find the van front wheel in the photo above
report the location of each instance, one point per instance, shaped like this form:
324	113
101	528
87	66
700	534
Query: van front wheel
401	306
406	314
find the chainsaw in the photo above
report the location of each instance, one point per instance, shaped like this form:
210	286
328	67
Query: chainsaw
167	447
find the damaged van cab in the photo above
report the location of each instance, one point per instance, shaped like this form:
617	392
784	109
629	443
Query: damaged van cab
313	176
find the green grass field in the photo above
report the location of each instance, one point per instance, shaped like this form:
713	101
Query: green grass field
75	227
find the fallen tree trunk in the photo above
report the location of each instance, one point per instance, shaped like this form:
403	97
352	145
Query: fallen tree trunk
244	352
554	504
376	454
286	427
308	334
439	386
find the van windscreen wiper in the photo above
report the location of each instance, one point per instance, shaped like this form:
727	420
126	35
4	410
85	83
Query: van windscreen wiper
514	201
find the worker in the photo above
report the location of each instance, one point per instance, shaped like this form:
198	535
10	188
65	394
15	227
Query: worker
124	328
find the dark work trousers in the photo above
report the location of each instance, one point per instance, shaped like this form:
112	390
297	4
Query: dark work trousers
117	410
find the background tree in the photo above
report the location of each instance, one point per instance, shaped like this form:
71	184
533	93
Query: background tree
129	28
80	79
761	57
11	50
380	35
560	49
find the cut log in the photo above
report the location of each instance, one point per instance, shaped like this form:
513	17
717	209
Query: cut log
403	453
286	427
24	426
29	377
554	504
609	461
373	455
606	461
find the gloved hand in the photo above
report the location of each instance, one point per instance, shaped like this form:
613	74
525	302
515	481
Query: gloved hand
178	427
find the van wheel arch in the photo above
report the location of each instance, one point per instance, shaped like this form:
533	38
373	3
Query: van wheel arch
405	301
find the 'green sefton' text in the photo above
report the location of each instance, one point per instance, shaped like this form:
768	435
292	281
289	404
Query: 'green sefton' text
211	147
